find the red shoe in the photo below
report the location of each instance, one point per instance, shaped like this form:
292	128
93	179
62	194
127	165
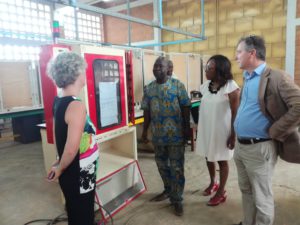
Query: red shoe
217	199
208	191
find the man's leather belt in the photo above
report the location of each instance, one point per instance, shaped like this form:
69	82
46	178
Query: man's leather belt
249	141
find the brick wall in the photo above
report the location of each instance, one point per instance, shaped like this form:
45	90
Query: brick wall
116	30
297	49
298	9
297	56
225	22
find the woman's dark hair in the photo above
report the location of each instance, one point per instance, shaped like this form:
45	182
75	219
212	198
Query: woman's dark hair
223	68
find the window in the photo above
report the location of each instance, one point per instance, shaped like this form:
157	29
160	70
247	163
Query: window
89	26
27	23
19	52
22	19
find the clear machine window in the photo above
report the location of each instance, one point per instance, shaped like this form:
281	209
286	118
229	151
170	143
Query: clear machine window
107	88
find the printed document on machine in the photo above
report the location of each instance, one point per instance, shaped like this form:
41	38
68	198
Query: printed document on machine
108	103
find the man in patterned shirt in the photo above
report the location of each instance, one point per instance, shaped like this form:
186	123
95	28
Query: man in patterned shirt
166	108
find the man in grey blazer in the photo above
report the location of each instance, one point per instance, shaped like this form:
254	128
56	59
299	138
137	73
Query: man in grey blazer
266	125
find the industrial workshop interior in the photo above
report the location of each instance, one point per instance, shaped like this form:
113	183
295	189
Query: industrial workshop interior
123	44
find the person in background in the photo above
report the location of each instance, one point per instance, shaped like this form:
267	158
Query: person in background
166	108
170	70
216	136
268	117
74	139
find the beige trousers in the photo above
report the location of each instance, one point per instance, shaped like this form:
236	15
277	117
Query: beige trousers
255	165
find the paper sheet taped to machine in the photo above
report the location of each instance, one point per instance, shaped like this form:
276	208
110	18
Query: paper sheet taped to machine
108	100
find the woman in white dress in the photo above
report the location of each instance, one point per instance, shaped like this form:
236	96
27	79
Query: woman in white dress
215	136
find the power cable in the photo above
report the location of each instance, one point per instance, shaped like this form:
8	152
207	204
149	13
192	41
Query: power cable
56	220
59	218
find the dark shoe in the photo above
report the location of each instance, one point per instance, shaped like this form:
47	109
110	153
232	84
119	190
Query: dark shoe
238	223
178	209
160	197
217	199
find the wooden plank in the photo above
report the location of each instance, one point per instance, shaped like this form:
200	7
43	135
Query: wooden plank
137	76
15	84
194	80
180	67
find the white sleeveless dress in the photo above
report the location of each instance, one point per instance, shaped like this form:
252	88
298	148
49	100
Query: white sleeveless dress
214	125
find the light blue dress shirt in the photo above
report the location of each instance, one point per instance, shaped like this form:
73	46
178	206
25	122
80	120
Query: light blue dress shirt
250	122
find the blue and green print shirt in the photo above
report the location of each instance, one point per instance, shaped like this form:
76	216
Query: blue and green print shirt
164	102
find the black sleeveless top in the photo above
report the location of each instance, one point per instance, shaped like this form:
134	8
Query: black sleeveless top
80	175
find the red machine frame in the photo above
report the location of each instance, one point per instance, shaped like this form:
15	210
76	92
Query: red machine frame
105	218
91	90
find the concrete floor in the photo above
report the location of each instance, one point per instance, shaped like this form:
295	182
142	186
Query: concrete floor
25	195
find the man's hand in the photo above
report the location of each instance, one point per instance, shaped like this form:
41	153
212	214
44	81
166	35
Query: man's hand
187	134
231	141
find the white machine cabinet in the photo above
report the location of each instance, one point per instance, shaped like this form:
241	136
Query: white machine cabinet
119	179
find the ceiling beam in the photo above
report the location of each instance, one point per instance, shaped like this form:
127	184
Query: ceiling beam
120	7
132	5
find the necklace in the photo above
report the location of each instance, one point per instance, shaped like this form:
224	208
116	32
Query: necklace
211	89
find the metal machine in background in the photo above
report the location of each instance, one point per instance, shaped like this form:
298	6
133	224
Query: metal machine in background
188	68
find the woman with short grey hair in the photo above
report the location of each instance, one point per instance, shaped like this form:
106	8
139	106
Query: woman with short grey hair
65	68
74	139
